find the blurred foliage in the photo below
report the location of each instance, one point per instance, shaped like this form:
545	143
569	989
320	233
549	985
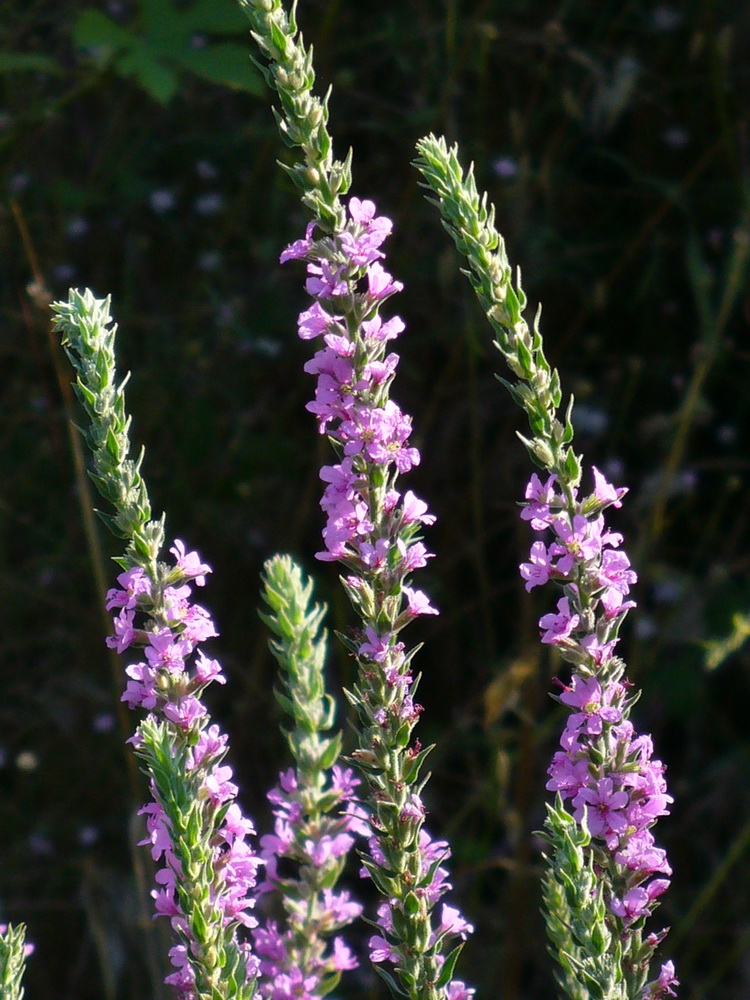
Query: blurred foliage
170	38
138	157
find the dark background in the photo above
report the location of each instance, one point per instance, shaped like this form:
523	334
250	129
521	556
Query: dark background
613	139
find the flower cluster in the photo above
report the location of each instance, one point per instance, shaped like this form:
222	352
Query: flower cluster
603	768
354	372
196	829
372	529
296	964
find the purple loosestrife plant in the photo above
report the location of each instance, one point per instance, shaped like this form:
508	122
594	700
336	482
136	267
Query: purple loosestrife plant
372	528
605	871
315	809
196	829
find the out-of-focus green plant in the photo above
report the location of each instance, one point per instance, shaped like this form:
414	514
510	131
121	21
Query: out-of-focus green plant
29	62
718	650
164	40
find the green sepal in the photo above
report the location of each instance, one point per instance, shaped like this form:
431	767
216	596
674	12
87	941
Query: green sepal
392	984
568	432
446	973
332	752
411	904
198	923
383	878
412	765
328	985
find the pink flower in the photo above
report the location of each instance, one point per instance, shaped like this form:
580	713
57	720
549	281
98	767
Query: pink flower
124	632
342	957
377	646
413	557
236	826
614	603
300	248
418	602
190	563
141	688
211	743
600	652
342	346
376	331
641	854
567	776
361	211
558	626
134	583
220	789
374	556
456	990
313	322
540	496
159	833
197	625
603	807
328	847
665	982
615	571
380	284
165	904
586	693
377	372
324	282
186	712
378	227
637	902
166	651
632	905
581	541
538	570
207	670
414	509
362	249
381	950
604	492
452	922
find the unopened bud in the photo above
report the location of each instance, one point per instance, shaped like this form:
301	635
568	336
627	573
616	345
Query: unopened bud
315	115
543	452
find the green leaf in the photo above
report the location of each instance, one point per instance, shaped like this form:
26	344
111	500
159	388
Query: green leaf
158	80
215	17
150	55
17	62
162	21
95	30
225	63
